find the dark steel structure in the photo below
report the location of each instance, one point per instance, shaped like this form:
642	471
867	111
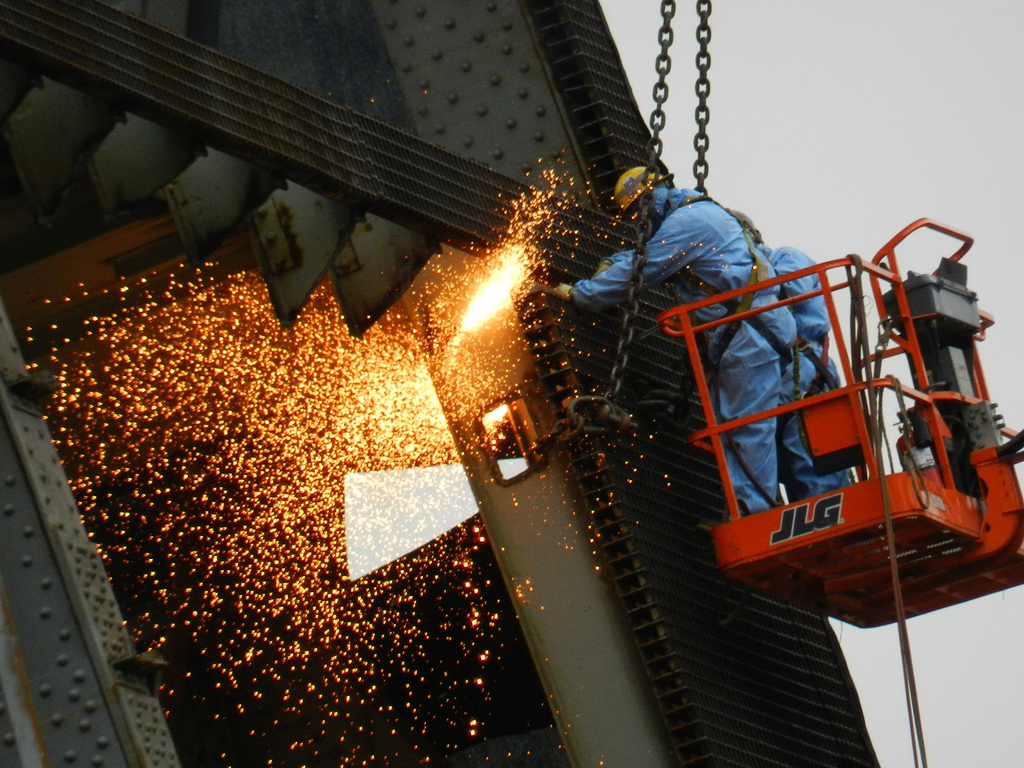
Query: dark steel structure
429	117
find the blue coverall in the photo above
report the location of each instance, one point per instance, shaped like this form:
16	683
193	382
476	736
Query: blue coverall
704	238
796	471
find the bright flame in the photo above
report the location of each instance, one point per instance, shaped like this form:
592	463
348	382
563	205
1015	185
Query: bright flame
495	294
492	421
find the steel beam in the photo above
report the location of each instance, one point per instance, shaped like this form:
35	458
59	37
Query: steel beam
72	692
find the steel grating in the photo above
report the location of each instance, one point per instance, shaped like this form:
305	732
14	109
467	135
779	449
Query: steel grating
752	681
585	65
743	680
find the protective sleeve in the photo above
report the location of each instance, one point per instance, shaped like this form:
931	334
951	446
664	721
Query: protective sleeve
611	287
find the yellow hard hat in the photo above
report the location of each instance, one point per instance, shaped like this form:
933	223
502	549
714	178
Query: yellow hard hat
630	186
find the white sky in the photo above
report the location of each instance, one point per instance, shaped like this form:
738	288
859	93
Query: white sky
834	125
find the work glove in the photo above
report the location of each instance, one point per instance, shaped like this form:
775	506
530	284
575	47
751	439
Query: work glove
603	265
563	291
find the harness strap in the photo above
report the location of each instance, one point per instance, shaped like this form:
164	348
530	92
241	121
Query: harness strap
758	273
819	364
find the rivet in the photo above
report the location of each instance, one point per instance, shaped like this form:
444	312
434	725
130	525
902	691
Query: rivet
45	689
63	660
70	756
498	153
407	67
45	612
64	634
89	706
79	675
506	49
511	123
8	509
84	724
74	695
541	111
439	128
424	84
46	583
409	41
538	136
391	24
495	79
492	7
437	55
10	480
26	560
102	742
97	760
57	718
481	110
480	37
9	739
524	67
465	66
467	142
421	12
506	25
523	93
449	23
423	110
452	98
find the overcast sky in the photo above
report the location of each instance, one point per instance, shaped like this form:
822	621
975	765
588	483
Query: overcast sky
834	125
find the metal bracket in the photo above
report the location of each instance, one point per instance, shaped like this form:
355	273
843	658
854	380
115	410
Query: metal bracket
374	268
135	160
212	198
50	133
296	235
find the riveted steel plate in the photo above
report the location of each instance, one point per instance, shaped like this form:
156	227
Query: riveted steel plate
65	626
474	82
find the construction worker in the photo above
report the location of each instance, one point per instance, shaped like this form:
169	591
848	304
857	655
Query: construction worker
807	372
699	249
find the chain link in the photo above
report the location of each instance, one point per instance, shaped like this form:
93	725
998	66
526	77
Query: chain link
643	226
703	88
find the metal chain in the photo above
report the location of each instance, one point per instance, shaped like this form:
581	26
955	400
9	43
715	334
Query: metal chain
703	88
643	227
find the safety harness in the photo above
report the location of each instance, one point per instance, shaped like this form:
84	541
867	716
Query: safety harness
759	272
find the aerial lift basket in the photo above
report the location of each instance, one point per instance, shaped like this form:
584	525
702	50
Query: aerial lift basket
957	528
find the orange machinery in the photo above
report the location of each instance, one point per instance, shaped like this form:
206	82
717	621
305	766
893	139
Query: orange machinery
956	532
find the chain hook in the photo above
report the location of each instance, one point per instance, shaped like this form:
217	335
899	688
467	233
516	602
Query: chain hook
595	415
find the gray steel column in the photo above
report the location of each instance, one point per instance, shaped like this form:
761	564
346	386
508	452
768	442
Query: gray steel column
74	692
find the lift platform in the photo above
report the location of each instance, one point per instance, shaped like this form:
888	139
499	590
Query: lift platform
955	530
